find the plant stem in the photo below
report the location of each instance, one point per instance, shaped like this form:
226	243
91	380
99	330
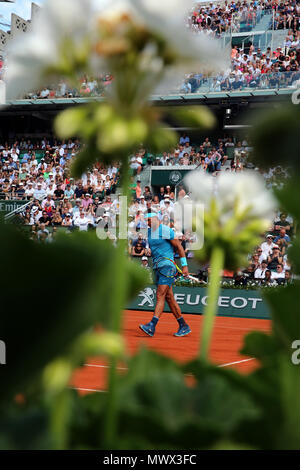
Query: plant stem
217	264
119	300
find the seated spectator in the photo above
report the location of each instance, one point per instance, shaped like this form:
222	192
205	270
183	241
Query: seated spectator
42	231
268	281
261	256
240	279
268	245
279	274
56	219
39	193
45	220
145	262
138	250
86	201
260	272
283	237
136	163
147	193
274	259
282	223
67	221
140	240
82	222
138	190
59	192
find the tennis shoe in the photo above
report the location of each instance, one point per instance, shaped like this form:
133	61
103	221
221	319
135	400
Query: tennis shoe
149	329
183	331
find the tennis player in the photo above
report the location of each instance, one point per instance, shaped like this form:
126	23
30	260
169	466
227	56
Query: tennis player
163	243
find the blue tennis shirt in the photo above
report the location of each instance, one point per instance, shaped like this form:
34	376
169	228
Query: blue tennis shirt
159	242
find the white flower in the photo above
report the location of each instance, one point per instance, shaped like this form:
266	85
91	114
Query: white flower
32	54
167	18
234	193
64	26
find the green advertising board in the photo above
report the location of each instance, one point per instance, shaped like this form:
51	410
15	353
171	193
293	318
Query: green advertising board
6	207
232	302
169	175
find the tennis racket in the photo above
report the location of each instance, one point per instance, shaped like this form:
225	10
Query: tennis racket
168	268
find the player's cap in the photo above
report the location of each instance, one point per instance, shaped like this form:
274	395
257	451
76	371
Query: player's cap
269	236
144	258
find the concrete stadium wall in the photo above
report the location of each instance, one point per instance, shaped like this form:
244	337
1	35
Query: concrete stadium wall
18	26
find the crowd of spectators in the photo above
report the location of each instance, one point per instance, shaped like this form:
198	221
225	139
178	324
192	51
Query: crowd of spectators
215	19
208	156
255	69
38	172
238	16
88	87
249	69
56	200
269	265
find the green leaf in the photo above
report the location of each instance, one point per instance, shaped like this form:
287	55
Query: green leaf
86	159
195	116
275	137
161	139
24	428
260	346
69	123
157	403
67	289
285	313
289	197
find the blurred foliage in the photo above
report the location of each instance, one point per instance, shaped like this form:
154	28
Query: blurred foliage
110	133
275	137
236	237
53	295
59	293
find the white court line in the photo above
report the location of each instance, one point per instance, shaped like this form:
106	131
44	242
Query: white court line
124	368
236	362
103	367
88	389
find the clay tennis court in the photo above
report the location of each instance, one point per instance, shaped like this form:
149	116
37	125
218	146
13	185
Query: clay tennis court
226	342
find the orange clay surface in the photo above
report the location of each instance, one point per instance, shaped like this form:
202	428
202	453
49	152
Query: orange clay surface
226	342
